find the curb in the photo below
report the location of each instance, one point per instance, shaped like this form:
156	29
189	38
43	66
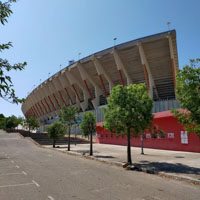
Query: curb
118	164
133	167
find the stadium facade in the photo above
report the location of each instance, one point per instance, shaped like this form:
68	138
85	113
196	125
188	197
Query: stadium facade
87	83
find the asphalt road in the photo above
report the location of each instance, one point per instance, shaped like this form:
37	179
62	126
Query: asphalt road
28	172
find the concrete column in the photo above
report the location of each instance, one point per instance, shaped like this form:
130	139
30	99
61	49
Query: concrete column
121	66
73	81
100	71
147	71
85	76
172	59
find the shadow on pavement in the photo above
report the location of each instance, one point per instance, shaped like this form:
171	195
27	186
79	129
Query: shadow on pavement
3	158
168	167
100	156
84	151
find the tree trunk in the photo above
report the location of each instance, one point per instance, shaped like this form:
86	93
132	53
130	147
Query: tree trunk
54	143
91	150
29	128
142	149
129	161
69	138
75	138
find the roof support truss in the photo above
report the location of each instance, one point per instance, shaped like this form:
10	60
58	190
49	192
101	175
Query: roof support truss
147	72
73	81
121	67
85	76
100	70
172	59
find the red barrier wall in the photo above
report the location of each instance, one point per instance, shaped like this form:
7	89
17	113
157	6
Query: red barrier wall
175	139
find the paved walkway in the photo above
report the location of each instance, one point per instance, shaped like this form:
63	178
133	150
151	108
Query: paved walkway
176	164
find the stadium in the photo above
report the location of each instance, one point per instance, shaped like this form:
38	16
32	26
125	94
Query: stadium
88	82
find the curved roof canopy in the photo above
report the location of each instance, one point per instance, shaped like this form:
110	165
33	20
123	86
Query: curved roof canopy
88	82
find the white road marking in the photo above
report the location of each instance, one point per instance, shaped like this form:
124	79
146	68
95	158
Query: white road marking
15	185
36	183
50	197
8	174
17	166
23	172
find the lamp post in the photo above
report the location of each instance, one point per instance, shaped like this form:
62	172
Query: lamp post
79	54
114	40
168	24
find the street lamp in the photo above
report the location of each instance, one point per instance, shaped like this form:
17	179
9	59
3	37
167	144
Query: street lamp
114	39
168	24
79	54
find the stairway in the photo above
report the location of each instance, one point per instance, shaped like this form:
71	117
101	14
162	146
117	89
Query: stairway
42	139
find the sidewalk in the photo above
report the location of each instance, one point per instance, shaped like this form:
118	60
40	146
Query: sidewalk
175	164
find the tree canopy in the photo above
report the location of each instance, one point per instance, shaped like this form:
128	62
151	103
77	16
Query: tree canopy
31	123
7	91
188	95
129	111
56	131
10	122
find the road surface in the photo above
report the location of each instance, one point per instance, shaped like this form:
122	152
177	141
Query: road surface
28	172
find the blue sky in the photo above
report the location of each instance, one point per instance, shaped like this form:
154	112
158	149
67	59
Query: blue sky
48	33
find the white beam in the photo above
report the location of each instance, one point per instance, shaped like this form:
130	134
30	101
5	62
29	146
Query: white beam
85	76
121	66
34	102
50	92
73	80
146	65
100	70
38	100
65	84
42	91
172	59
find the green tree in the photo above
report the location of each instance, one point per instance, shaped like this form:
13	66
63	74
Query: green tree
129	111
188	95
11	122
19	120
6	86
31	123
69	117
88	127
2	121
56	131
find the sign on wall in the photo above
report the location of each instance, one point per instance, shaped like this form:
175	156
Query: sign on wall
184	137
171	135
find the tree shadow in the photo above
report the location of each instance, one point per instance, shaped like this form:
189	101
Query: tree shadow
84	151
100	156
3	158
168	167
179	157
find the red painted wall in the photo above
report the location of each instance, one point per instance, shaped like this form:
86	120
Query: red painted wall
167	123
